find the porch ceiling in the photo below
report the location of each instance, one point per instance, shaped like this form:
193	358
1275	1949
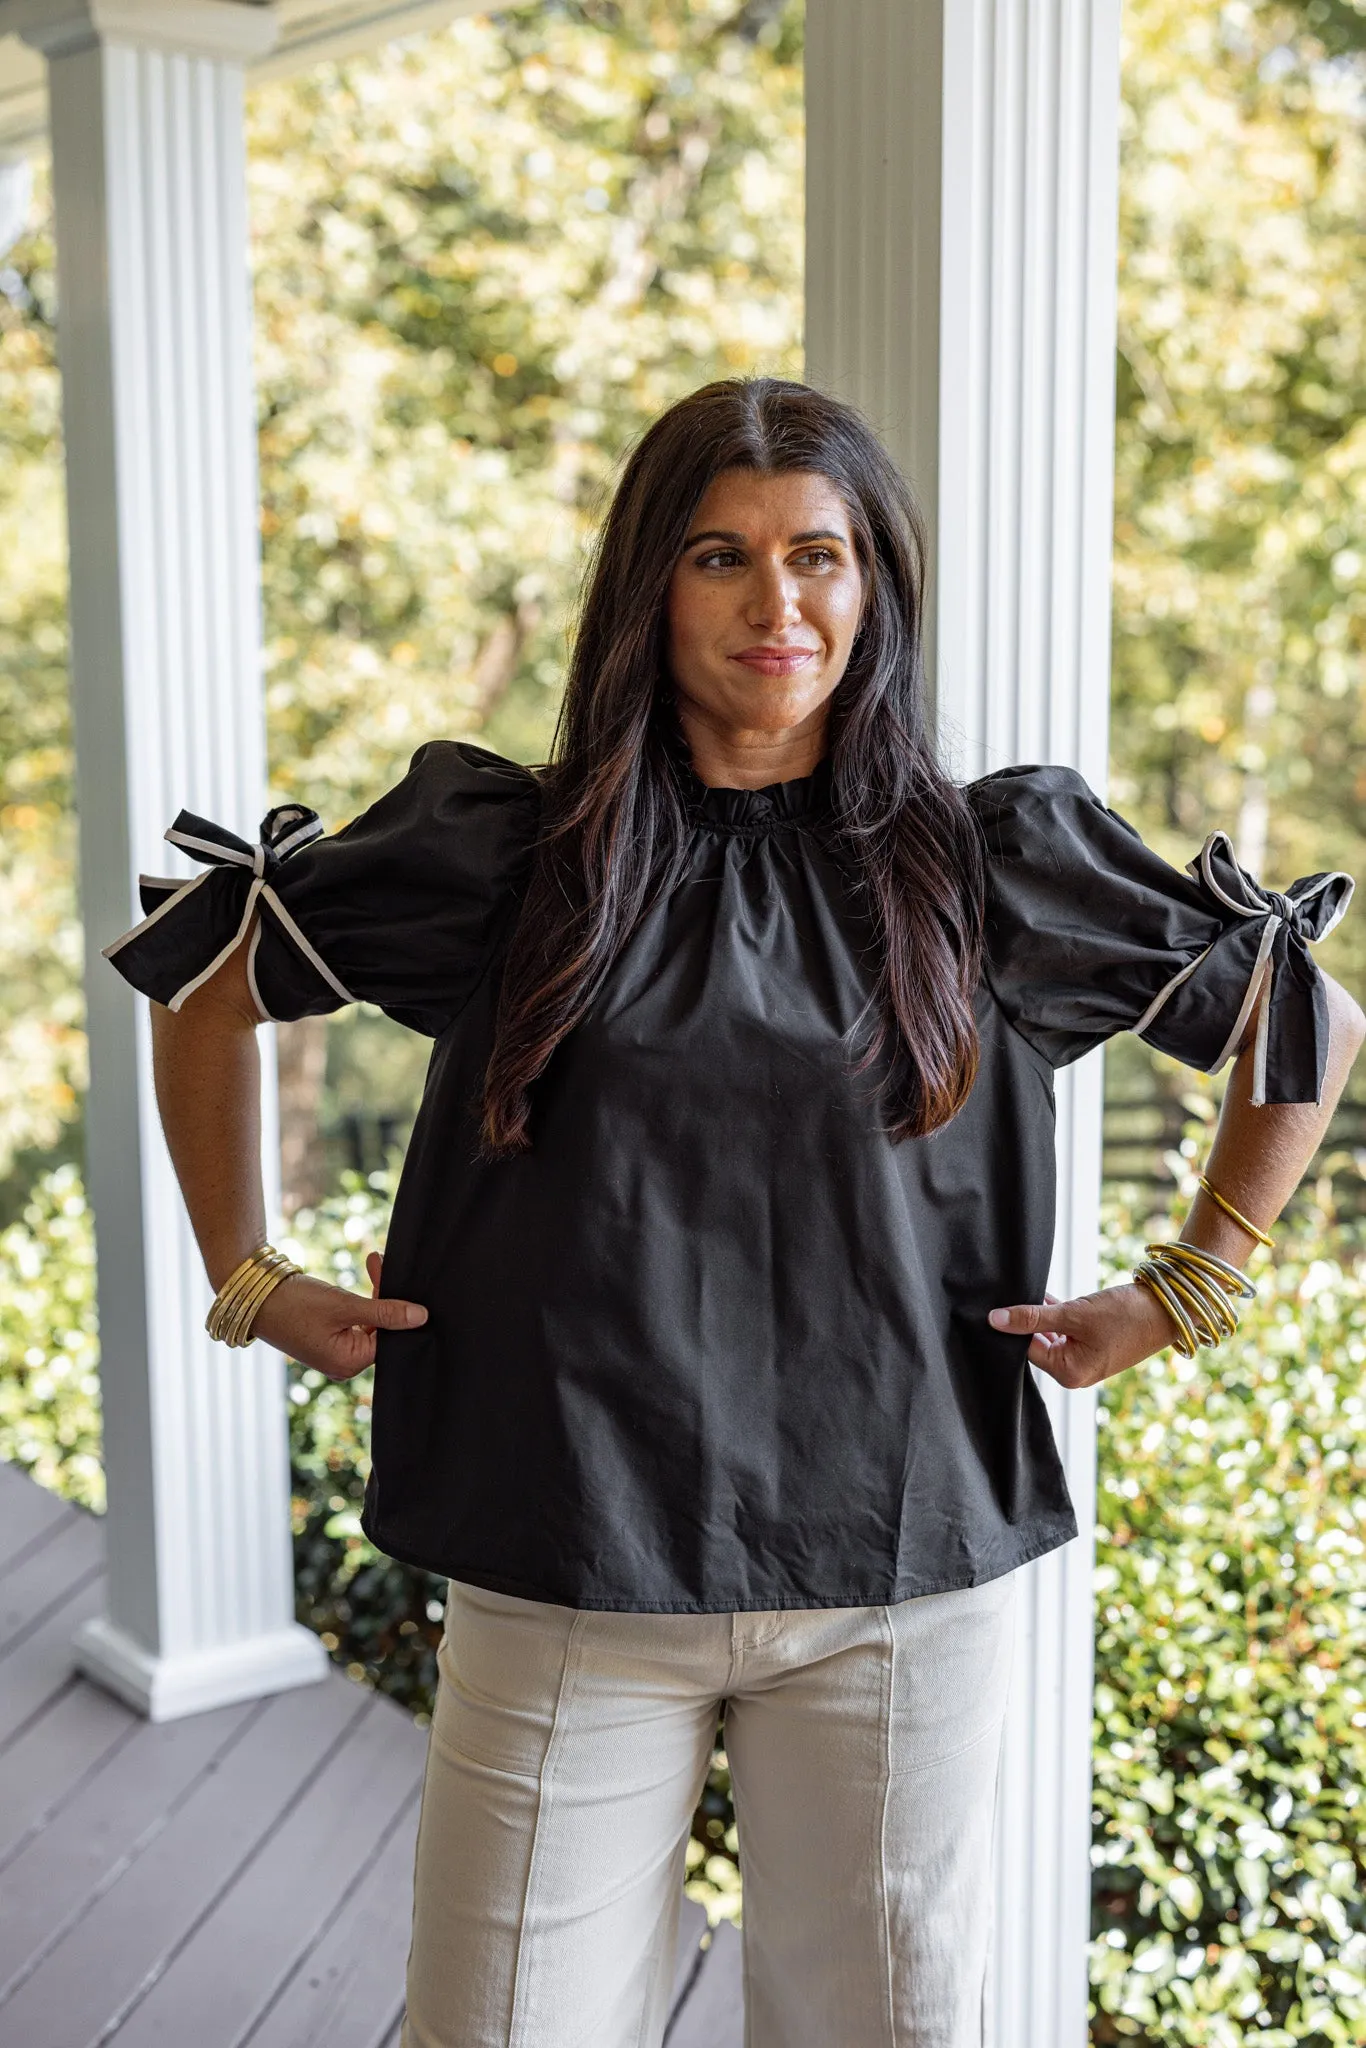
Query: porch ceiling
309	31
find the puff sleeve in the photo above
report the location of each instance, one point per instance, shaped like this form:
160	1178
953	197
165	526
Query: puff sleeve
1089	933
400	908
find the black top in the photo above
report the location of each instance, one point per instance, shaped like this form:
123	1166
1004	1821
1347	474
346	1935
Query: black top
715	1342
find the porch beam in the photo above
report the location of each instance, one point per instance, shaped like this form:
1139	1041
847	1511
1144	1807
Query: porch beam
961	249
166	683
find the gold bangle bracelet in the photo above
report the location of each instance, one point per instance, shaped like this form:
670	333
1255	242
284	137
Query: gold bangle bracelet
1207	1308
241	1290
1231	1278
238	1322
1236	1215
1211	1291
239	1273
1234	1286
248	1310
238	1302
1147	1276
228	1301
245	1320
1199	1290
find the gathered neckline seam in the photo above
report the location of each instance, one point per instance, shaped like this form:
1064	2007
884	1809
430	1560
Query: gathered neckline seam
759	828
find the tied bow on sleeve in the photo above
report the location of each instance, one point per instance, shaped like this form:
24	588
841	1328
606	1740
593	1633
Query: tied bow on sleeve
1290	922
284	830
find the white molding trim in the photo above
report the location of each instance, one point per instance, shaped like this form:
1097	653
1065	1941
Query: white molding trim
962	214
165	1688
303	33
232	29
166	685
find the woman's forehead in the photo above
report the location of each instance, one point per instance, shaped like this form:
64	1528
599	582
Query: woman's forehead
794	503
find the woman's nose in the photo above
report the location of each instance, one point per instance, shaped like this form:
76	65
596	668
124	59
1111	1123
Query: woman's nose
776	601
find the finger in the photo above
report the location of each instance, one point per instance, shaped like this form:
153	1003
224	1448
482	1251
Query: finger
386	1315
1072	1369
349	1353
1029	1319
374	1266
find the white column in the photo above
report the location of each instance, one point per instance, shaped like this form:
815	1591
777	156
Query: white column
154	341
961	245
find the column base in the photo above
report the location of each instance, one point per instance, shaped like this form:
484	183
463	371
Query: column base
165	1688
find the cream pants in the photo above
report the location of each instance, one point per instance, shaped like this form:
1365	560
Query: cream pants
568	1751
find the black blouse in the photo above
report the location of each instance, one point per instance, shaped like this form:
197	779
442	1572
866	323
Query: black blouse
715	1342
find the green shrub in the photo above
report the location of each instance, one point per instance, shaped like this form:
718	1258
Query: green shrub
1230	1733
379	1619
49	1352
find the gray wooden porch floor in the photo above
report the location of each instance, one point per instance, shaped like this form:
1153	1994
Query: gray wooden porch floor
238	1879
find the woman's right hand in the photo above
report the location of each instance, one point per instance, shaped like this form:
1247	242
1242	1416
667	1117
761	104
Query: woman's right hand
330	1328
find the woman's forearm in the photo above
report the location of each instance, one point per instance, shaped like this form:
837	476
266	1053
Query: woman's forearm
1260	1156
1258	1159
207	1070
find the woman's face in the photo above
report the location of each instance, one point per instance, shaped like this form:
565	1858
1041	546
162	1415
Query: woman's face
763	607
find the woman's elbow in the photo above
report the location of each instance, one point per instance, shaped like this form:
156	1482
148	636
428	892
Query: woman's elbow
225	1002
1346	1017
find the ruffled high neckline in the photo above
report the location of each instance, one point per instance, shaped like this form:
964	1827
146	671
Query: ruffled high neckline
760	810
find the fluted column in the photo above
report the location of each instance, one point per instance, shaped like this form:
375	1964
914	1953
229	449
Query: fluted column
961	229
154	345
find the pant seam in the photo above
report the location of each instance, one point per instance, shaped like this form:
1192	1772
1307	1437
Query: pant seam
568	1674
733	1674
888	1692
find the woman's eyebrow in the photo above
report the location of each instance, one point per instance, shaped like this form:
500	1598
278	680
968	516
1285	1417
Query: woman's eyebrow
737	540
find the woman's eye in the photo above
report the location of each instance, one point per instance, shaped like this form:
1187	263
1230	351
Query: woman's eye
816	558
718	558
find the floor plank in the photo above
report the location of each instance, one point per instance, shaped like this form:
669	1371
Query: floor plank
237	1879
713	2015
28	1513
47	1764
46	1574
100	1966
283	1900
347	1992
102	1828
34	1679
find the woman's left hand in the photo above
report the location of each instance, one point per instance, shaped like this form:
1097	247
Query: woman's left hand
1080	1343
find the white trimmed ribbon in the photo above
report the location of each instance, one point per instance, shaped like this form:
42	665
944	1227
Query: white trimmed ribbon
283	831
1310	908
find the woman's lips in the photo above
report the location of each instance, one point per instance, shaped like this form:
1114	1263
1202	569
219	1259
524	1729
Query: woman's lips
776	661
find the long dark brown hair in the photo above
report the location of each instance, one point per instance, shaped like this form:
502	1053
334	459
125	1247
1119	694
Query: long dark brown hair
615	819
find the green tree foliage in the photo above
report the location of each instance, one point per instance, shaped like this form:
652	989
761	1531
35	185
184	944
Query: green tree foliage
42	1044
485	260
1240	563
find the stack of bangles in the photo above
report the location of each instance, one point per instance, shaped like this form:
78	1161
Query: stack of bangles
1197	1288
238	1301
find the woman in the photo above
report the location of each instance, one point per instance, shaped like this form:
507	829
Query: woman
718	1254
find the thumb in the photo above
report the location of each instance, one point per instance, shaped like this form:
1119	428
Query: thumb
385	1315
1031	1320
